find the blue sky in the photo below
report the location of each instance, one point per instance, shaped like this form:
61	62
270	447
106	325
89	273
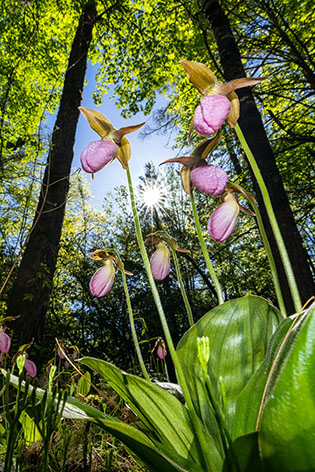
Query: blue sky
154	148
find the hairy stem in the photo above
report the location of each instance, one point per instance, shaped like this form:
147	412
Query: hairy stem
212	273
207	459
132	321
182	288
273	221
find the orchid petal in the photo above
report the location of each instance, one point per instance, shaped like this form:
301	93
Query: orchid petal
211	114
5	342
30	368
223	220
209	179
161	351
160	262
97	155
103	279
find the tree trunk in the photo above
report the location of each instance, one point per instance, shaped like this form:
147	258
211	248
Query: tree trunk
32	287
251	125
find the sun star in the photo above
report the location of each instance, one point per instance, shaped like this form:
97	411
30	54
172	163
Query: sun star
152	196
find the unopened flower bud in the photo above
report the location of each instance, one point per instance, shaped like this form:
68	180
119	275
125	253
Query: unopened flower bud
211	114
97	155
209	179
203	347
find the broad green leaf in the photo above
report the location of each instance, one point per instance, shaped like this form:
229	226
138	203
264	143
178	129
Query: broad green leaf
155	457
287	426
73	408
238	332
161	413
246	453
30	430
248	403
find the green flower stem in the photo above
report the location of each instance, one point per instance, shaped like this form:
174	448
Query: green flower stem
212	273
273	221
225	435
271	260
182	288
179	371
272	264
132	321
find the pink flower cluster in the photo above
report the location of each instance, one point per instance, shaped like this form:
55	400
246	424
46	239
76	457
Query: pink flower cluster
209	117
212	181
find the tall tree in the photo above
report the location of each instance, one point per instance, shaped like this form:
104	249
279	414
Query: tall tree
30	292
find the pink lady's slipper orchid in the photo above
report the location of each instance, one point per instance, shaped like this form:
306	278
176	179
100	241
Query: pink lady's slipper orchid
223	220
103	279
30	368
161	348
209	179
197	160
219	101
97	155
61	351
160	262
211	114
5	342
113	142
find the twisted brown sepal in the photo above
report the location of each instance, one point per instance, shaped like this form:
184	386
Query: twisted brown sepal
124	147
205	147
118	134
10	318
152	239
248	196
186	181
232	85
206	83
97	121
104	128
200	152
200	76
176	248
187	161
158	236
229	88
100	255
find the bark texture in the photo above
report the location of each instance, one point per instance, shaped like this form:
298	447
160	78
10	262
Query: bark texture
31	290
252	127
